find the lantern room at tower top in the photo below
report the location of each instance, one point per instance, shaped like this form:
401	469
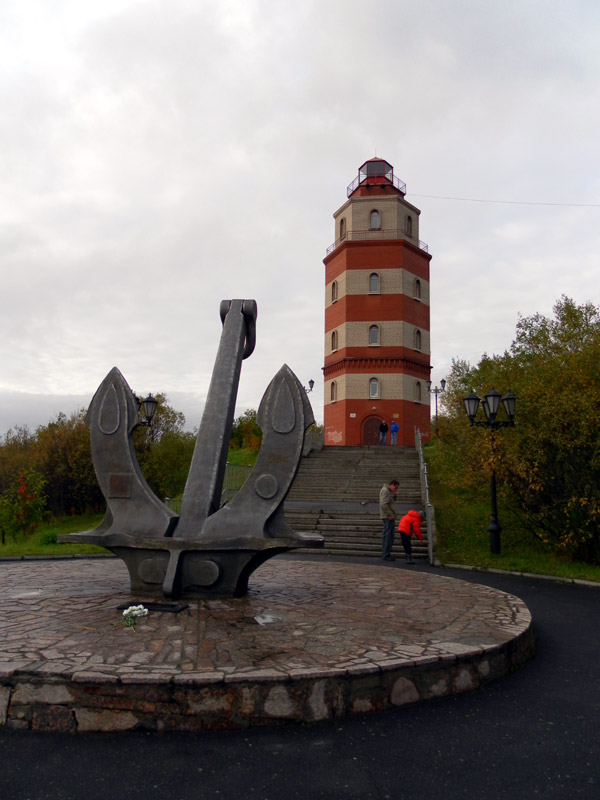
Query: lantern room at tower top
375	172
377	323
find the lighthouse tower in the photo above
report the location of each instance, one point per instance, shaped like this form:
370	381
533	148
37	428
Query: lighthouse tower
377	349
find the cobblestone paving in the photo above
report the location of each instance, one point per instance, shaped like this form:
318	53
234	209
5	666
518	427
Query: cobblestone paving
299	619
310	641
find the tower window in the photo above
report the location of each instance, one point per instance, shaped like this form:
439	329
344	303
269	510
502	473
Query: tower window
373	283
417	289
374	334
373	389
375	224
334	341
417	339
409	226
342	227
418	391
334	291
333	391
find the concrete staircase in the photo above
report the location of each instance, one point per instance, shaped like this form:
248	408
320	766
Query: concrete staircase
336	494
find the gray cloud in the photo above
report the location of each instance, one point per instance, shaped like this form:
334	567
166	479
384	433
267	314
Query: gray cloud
159	157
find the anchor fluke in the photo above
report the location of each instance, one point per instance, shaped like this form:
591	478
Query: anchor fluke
132	506
256	510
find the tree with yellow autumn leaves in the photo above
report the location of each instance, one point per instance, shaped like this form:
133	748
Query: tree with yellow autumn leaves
548	465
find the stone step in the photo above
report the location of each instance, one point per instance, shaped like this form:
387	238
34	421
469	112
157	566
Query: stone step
369	548
359	536
349	530
377	479
360	553
354	475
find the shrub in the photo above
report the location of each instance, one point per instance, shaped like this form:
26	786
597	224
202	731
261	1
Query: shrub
22	505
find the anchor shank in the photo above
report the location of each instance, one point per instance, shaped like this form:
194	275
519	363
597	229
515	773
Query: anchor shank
202	493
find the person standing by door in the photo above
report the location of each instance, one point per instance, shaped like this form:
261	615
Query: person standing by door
394	432
383	429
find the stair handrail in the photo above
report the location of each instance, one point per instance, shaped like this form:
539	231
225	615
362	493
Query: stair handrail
313	440
429	511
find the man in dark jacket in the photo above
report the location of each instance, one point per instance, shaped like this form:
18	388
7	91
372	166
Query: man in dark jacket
383	429
387	513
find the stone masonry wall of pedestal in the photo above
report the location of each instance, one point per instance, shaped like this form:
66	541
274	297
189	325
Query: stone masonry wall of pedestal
197	704
310	641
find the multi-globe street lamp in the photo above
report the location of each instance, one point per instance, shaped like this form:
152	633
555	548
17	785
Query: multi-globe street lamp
491	405
438	390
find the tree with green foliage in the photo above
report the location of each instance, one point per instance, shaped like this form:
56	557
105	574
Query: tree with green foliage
22	505
549	463
246	433
164	450
167	463
62	454
16	454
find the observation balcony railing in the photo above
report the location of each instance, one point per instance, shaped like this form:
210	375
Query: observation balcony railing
368	235
375	180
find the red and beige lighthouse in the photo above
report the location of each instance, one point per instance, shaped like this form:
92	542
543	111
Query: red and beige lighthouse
377	349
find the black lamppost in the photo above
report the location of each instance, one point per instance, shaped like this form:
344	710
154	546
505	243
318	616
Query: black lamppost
311	383
491	405
436	391
147	409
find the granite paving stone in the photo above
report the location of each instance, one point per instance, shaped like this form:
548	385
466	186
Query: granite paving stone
301	622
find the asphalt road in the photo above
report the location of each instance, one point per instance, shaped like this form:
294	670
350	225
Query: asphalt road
535	733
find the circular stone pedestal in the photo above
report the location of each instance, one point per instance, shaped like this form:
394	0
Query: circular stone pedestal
310	641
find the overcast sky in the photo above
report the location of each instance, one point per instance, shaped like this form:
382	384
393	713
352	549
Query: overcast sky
158	157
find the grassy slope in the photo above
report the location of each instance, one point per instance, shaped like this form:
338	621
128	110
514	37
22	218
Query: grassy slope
244	458
462	519
40	542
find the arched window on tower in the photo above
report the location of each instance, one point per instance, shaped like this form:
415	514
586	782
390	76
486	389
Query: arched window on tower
418	391
334	341
417	289
373	334
374	283
409	226
343	228
375	224
333	391
373	389
417	339
334	291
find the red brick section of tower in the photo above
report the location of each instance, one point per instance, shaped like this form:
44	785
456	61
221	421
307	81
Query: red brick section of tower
377	345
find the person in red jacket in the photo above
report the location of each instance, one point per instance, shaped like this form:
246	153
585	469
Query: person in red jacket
409	524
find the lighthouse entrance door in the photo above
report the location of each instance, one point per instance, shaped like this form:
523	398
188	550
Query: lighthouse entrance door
371	430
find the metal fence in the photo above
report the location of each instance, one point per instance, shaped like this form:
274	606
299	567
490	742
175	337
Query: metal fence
363	236
374	182
237	475
429	510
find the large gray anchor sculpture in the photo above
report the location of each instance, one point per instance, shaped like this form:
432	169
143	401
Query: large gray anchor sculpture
207	549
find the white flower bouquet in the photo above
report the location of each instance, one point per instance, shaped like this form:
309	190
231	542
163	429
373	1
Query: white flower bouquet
132	613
